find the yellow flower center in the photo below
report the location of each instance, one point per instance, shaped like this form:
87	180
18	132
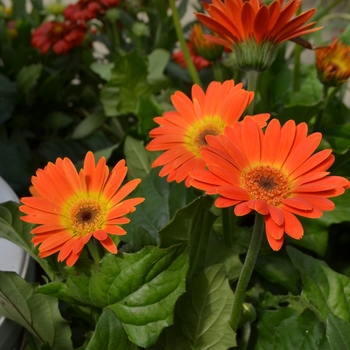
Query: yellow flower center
195	136
267	183
84	215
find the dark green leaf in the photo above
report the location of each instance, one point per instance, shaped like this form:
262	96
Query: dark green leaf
140	288
288	330
110	334
89	124
38	313
324	290
7	98
157	62
338	333
205	311
28	76
147	109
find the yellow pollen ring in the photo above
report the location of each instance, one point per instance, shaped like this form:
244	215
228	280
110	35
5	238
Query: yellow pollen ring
195	135
84	215
267	183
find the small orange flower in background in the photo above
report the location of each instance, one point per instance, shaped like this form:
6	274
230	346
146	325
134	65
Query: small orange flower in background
60	36
198	61
202	51
182	132
274	173
253	30
88	9
72	207
333	63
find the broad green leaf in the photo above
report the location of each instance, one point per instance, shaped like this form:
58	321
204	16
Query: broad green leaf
345	37
37	313
315	235
340	213
157	61
110	334
138	159
140	288
110	97
193	225
324	290
57	120
28	76
104	70
18	232
277	268
162	200
172	338
92	122
205	311
147	109
338	333
286	329
299	113
129	76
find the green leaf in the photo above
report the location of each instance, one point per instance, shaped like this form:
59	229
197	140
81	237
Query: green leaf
299	113
340	213
129	76
18	232
277	268
140	288
163	200
28	76
315	236
288	330
7	98
104	70
205	311
345	35
109	334
324	290
89	124
157	61
110	97
138	159
338	333
37	313
193	225
147	109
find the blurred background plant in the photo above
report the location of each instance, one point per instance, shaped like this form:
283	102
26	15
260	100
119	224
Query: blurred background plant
92	75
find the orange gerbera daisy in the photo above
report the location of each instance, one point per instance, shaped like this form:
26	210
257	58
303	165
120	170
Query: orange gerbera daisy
333	63
182	132
274	173
71	208
253	30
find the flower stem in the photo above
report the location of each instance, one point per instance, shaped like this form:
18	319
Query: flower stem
180	36
320	114
93	251
252	83
247	270
217	71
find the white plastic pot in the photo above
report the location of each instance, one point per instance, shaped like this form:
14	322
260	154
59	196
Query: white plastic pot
12	258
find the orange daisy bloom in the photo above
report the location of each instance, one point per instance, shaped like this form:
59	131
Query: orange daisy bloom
72	207
182	132
253	30
333	63
274	173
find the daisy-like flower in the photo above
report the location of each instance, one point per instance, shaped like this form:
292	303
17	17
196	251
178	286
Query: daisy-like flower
71	208
60	36
253	30
333	63
85	10
275	173
182	133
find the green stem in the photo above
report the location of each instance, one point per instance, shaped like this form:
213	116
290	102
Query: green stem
180	36
217	71
252	82
247	270
93	251
321	113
